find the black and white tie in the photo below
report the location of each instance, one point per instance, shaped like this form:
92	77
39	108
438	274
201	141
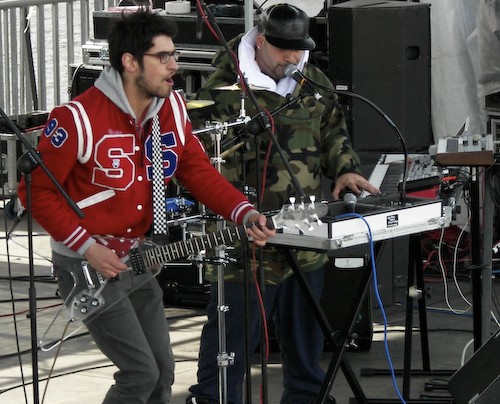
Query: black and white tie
159	209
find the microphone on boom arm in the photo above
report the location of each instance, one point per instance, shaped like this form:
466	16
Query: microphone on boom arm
293	72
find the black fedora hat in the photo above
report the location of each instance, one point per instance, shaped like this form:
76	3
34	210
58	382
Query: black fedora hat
286	27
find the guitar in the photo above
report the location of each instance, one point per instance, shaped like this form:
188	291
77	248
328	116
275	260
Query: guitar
140	258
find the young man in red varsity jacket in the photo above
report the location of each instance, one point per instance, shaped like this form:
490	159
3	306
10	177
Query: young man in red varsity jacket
98	146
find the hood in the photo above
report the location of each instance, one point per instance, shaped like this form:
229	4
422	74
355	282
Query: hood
111	84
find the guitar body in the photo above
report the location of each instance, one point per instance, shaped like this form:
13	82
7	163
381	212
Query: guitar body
82	287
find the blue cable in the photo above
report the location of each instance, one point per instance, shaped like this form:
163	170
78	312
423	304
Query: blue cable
379	300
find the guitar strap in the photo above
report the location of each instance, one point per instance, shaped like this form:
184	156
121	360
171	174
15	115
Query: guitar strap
159	208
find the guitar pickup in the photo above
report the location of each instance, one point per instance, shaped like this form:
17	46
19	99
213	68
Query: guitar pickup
136	261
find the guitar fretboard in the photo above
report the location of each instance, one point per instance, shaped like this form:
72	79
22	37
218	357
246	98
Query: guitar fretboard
179	249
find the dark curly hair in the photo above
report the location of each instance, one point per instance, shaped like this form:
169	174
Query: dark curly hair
134	32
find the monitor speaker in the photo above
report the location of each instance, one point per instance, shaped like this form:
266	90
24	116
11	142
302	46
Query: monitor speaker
381	51
83	77
478	381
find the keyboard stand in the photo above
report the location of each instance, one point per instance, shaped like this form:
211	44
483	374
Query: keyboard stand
338	342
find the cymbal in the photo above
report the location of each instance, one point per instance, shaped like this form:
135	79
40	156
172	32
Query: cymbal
237	87
195	104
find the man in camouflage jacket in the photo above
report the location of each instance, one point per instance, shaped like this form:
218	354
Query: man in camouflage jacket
315	141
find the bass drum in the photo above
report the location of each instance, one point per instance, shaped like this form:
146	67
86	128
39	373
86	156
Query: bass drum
182	281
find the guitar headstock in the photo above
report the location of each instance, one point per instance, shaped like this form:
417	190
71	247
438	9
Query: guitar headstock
300	216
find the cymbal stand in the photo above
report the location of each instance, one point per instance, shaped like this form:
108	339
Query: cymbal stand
224	358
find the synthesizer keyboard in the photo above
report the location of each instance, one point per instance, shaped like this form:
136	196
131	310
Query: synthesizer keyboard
388	173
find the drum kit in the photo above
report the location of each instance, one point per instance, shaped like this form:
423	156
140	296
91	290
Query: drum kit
180	207
183	212
191	217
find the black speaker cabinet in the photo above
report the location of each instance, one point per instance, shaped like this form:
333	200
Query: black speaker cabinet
381	51
83	77
478	381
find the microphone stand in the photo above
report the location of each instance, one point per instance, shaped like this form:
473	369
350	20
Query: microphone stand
26	163
262	119
264	123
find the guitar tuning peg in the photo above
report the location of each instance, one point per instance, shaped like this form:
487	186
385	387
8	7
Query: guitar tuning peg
297	226
317	219
309	225
292	202
302	206
312	198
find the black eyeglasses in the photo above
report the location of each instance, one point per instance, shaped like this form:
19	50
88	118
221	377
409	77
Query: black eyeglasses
164	57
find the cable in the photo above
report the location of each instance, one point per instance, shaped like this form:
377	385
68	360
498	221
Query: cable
379	301
464	351
11	291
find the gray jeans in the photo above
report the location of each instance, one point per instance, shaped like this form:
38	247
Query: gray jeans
131	329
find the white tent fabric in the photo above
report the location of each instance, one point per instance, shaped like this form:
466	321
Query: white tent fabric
454	51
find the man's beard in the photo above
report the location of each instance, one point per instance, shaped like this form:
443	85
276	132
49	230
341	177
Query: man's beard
146	89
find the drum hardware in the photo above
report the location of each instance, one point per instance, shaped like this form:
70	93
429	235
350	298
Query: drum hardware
220	259
197	104
237	87
221	127
179	205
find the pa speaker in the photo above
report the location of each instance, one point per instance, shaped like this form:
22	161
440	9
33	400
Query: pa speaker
381	51
478	381
83	77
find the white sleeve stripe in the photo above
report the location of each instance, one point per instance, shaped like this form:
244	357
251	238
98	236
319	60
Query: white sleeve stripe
74	237
179	118
87	145
79	129
238	210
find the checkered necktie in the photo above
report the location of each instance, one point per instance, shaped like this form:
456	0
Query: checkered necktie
159	209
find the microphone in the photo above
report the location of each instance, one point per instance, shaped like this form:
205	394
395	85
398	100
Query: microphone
350	201
293	72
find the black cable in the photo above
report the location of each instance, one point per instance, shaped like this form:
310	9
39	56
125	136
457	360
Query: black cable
434	330
25	278
83	334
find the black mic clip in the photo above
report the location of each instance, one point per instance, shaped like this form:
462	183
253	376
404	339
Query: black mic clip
258	124
294	73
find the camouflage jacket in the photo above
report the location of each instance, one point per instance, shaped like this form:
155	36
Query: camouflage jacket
313	137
